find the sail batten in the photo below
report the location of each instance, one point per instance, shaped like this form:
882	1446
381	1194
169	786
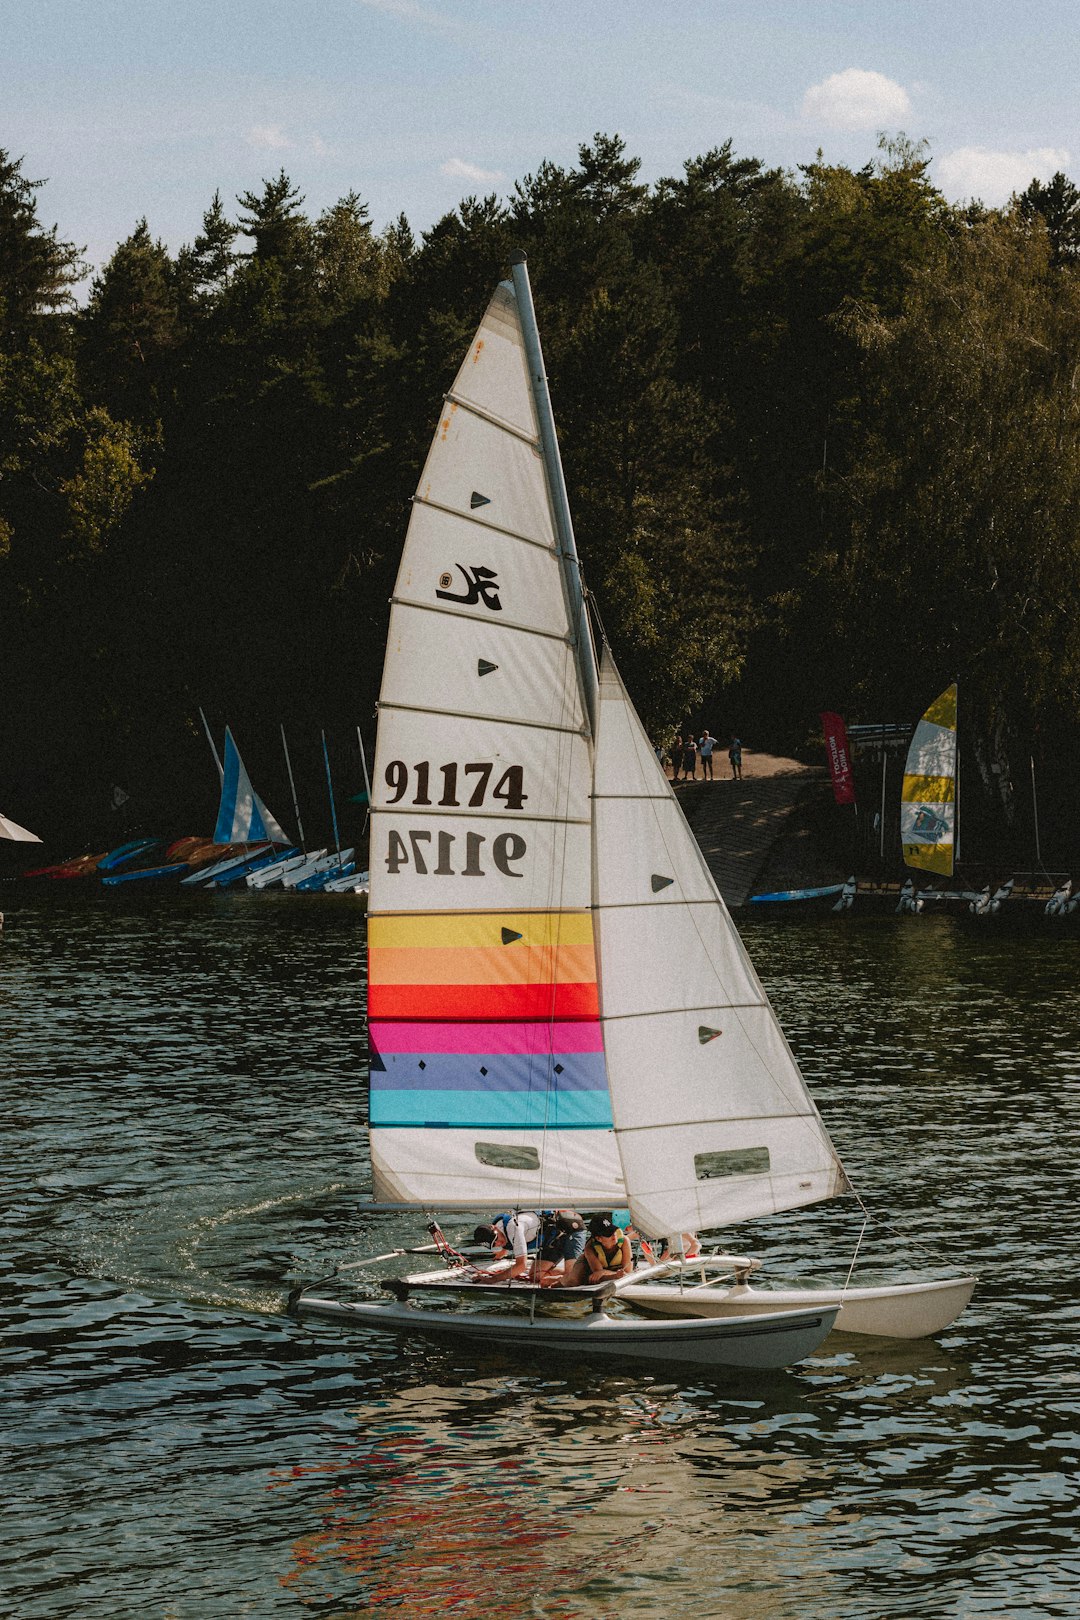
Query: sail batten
480	522
489	416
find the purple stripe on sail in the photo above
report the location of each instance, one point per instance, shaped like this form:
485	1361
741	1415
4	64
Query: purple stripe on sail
477	1071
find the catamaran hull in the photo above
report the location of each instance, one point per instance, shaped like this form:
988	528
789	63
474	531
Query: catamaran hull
763	1341
901	1311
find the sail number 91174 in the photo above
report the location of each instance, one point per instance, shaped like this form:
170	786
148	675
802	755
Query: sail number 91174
460	785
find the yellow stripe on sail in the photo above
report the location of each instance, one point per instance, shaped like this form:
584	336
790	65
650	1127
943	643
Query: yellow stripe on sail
480	928
928	790
930	857
942	712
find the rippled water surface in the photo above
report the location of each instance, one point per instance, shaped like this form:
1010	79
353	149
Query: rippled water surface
183	1103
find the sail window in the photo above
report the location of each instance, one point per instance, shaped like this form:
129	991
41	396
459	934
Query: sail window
734	1162
504	1156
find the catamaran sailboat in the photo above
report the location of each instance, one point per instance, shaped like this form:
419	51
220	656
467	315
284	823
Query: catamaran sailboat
561	1012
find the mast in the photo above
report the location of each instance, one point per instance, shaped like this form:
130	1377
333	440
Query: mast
330	791
564	525
956	787
292	785
213	746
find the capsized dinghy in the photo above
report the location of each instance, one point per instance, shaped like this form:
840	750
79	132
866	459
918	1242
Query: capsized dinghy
561	1013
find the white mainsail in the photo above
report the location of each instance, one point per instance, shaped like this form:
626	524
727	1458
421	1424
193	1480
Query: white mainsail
713	1118
487	1066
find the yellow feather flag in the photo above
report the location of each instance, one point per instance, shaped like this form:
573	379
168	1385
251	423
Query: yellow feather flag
928	796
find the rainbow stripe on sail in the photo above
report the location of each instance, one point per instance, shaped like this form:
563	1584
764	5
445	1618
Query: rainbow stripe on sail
486	1020
928	795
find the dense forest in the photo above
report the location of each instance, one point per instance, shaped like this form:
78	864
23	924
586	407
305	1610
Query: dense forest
821	434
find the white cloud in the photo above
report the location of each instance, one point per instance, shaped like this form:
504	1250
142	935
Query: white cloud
992	177
459	170
320	149
268	138
856	99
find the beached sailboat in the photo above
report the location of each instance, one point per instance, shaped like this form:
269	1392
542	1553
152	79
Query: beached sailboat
561	1012
243	820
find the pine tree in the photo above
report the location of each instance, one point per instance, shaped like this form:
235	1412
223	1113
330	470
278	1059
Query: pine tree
37	269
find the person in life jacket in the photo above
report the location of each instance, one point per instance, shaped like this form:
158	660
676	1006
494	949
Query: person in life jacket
607	1254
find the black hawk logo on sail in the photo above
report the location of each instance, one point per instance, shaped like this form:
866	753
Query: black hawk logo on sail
481	586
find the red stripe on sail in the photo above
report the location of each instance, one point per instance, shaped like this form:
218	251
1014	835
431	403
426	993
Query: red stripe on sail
483	1003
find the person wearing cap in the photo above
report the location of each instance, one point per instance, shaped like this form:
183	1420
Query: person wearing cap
606	1256
517	1231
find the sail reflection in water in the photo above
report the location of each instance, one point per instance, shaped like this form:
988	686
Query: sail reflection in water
509	1499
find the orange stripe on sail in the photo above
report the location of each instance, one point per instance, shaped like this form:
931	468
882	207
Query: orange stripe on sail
520	964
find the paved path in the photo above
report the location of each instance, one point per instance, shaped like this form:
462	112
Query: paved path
738	822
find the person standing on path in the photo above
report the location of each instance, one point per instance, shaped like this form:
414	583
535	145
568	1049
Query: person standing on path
734	753
689	757
676	759
706	744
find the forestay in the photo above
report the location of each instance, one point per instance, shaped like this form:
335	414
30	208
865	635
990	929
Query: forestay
928	795
713	1119
488	1081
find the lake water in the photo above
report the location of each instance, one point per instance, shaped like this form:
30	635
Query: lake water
183	1106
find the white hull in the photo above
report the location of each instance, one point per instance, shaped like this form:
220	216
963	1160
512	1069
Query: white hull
311	867
765	1341
269	875
892	1311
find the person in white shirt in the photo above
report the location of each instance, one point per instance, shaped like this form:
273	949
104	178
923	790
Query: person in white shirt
516	1232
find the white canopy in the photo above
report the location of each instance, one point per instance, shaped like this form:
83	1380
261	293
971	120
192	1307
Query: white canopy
17	834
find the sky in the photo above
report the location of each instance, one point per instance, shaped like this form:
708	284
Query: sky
132	108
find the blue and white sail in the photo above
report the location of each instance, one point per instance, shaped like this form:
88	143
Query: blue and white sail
242	816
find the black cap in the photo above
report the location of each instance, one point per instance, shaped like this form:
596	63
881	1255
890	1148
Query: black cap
602	1226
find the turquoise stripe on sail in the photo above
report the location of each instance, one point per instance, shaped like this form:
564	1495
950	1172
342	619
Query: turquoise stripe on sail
493	1110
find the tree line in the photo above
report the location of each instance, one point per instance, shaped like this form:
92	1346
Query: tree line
820	432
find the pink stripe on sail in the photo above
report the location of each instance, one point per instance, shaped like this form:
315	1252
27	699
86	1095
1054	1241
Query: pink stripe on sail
528	1039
